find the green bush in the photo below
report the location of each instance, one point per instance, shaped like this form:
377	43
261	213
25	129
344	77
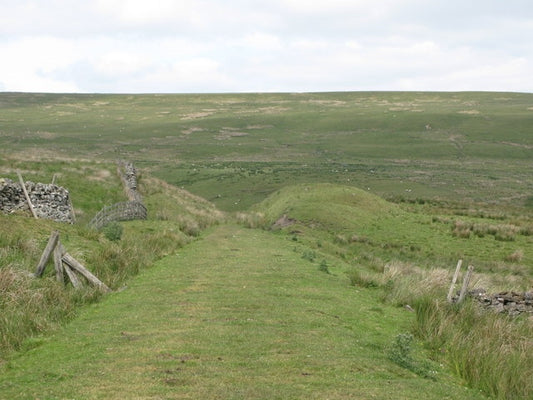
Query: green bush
309	255
113	231
324	267
401	353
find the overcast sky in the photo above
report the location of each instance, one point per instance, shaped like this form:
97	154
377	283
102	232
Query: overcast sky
194	46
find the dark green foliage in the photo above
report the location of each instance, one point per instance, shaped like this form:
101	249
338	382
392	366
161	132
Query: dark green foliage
401	353
324	267
309	255
113	231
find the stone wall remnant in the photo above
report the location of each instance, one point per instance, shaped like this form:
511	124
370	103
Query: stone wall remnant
49	201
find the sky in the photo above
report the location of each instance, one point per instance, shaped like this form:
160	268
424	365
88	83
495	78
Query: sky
214	46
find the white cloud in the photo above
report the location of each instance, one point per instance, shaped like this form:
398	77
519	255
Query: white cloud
29	62
261	42
117	64
282	45
141	12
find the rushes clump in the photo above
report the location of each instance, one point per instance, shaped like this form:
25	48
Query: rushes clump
489	351
362	278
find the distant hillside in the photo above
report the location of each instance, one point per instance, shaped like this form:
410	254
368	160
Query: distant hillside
234	148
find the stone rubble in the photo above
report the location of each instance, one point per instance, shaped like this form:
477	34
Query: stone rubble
507	302
49	201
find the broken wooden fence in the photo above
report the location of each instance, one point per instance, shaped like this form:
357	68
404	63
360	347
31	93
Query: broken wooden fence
464	287
65	264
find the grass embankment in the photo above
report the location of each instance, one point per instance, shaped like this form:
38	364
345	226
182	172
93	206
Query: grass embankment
31	306
410	257
237	314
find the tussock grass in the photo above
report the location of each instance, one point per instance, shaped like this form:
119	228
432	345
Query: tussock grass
251	220
29	306
491	352
501	232
406	283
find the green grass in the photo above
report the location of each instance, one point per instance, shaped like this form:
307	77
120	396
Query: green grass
236	313
29	306
360	222
239	315
235	148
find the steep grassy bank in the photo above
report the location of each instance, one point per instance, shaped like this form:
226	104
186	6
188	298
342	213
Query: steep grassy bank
32	306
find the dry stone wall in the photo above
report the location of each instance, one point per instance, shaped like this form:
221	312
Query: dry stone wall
128	174
511	303
49	201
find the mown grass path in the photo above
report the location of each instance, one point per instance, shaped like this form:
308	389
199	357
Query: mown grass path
239	314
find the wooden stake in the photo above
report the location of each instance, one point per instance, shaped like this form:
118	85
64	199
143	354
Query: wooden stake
466	281
78	267
52	243
455	276
58	263
26	195
72	277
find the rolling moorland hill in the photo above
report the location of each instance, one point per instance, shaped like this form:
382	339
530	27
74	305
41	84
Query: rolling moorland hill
234	149
298	288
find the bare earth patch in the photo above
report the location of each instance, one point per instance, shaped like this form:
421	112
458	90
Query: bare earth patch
192	130
196	115
469	112
228	133
100	175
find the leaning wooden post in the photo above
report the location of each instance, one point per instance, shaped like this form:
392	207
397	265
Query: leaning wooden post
58	263
52	243
78	267
455	276
26	195
72	277
466	281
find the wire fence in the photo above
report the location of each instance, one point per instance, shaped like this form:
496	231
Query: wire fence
124	211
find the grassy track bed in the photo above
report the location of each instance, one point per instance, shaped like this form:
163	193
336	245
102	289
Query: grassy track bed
237	314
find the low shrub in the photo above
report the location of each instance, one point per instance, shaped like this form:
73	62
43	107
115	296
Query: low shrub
323	267
401	353
113	231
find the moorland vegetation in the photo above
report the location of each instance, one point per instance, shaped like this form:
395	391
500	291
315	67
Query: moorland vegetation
296	231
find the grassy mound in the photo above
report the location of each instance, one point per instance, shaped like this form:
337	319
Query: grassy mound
332	207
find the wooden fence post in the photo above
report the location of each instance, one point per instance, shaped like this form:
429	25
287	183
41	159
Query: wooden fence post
466	281
72	277
58	264
455	276
77	266
26	195
51	245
